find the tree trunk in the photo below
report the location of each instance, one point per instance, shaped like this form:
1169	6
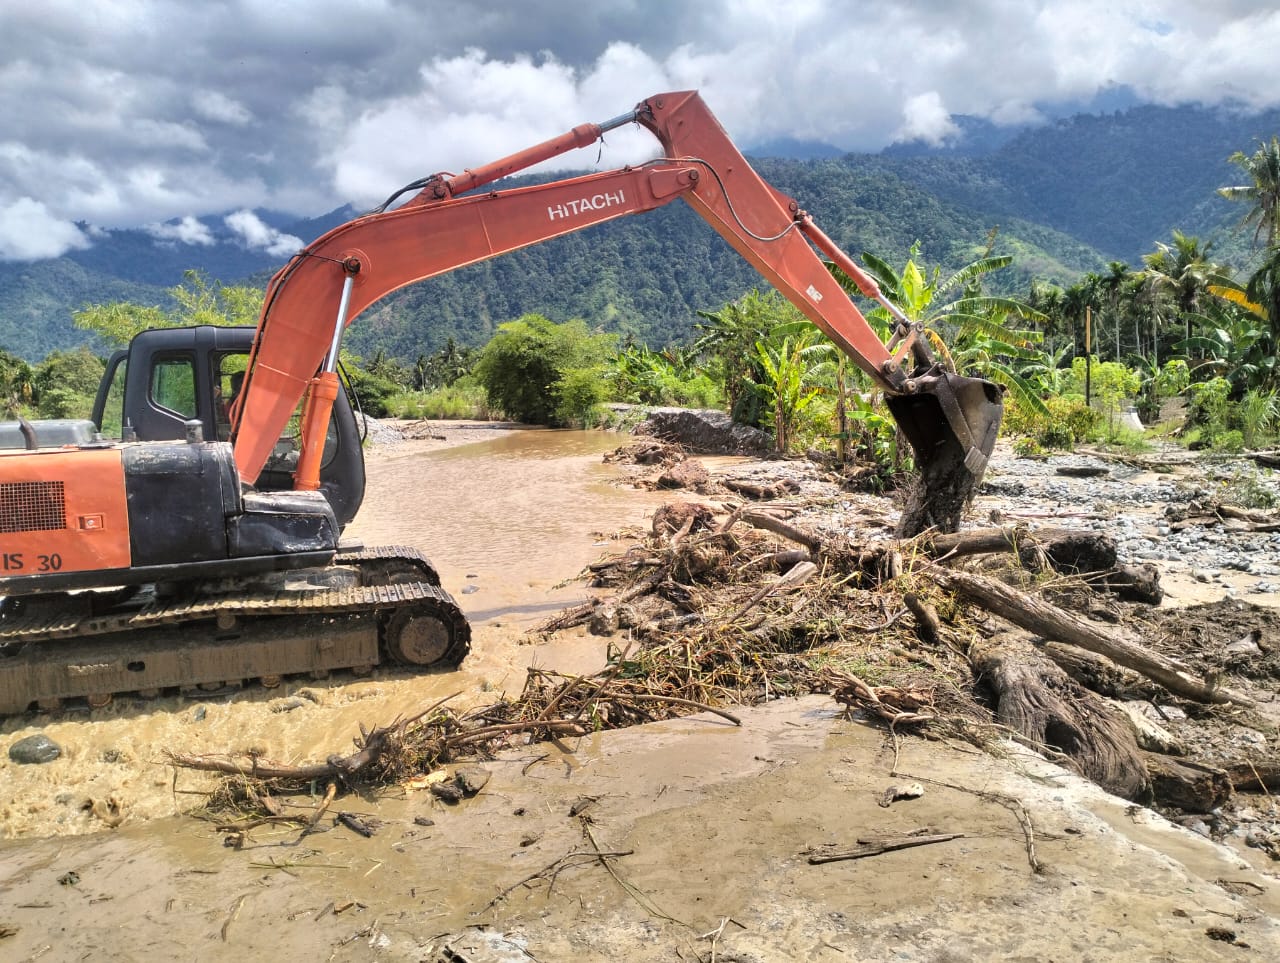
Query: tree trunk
1042	703
1189	786
1051	622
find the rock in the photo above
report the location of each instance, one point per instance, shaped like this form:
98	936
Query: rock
471	779
449	792
685	474
1082	471
34	750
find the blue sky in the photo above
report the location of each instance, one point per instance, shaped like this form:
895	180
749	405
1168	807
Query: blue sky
124	113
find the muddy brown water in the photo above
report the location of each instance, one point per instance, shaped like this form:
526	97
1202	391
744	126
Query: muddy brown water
509	521
713	821
504	521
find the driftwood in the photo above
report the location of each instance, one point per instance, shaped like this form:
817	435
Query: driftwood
1262	775
1186	785
1041	618
1097	672
1230	517
759	492
1042	703
377	743
928	625
1065	551
771	523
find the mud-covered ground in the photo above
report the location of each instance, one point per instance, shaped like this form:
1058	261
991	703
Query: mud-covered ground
712	825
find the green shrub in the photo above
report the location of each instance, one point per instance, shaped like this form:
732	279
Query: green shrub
460	401
579	394
1230	441
525	364
1026	447
1069	421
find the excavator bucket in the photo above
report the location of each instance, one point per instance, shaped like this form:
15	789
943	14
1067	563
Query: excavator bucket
952	423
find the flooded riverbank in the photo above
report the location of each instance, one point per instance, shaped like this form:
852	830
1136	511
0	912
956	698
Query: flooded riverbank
709	826
509	519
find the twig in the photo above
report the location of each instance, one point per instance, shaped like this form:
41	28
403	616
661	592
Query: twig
688	703
1010	803
231	918
884	844
631	891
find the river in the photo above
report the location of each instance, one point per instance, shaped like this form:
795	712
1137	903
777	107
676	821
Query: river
509	521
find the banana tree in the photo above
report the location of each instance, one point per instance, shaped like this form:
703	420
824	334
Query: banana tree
966	328
787	386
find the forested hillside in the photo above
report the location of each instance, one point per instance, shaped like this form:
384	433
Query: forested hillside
1066	199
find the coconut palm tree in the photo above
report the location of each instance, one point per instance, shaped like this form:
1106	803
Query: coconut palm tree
1262	171
1178	275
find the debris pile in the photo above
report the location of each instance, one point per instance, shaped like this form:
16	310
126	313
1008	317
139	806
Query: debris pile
988	634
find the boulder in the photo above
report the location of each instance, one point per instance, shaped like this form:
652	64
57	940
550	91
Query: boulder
34	749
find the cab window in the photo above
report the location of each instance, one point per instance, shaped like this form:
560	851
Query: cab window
173	386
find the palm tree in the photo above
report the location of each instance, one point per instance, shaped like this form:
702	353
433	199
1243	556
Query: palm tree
1263	290
1179	274
1262	169
1111	285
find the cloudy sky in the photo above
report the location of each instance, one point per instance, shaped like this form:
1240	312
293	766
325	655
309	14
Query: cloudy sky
124	113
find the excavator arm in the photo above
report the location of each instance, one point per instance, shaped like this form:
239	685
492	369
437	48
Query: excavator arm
951	421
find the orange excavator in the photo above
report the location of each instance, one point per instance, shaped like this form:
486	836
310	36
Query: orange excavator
204	546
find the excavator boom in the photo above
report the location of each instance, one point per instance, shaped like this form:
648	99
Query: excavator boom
950	420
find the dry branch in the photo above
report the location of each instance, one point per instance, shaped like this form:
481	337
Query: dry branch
882	844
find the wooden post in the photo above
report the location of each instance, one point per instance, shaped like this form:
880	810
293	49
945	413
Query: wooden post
1088	357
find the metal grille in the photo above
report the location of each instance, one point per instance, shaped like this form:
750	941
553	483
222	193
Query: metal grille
32	507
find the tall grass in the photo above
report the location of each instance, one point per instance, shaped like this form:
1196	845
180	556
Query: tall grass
459	402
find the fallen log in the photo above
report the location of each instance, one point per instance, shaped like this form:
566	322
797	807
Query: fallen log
1049	709
1097	672
1041	618
1065	551
1261	775
771	523
758	492
1190	786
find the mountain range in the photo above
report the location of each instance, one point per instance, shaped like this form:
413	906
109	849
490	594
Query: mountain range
1064	198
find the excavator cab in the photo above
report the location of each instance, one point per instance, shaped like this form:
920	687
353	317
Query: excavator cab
168	377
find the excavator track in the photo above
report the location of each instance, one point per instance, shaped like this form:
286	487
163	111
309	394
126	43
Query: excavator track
386	606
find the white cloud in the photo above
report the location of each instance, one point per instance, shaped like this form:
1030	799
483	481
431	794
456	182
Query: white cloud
926	118
256	235
187	230
217	106
134	111
29	232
